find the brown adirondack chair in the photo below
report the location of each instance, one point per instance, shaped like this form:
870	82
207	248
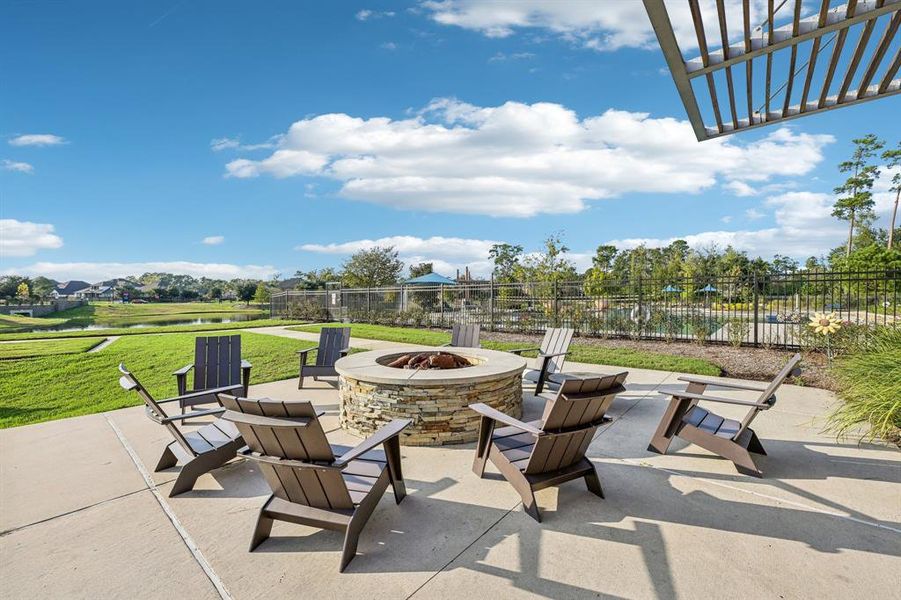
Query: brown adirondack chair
201	450
310	485
334	343
464	336
550	451
217	364
551	356
733	440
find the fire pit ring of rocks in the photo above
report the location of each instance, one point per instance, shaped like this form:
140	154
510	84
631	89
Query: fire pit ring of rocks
437	400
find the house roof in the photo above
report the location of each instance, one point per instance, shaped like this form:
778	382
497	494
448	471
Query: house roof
66	288
430	279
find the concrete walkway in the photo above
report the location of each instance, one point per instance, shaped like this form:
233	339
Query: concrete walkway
82	518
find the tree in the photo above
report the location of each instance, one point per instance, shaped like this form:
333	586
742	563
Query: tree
893	160
41	288
784	264
316	279
855	196
261	294
603	257
22	291
506	259
246	291
372	268
550	265
420	269
216	293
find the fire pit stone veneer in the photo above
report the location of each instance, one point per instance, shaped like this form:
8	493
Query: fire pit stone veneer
437	400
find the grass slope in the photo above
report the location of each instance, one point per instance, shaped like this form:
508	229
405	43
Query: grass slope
31	349
37	335
17	322
103	311
66	385
578	353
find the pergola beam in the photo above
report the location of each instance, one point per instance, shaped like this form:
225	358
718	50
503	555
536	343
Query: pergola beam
785	36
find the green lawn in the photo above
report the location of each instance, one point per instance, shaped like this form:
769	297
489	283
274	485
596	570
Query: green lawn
106	311
66	385
18	322
32	349
36	335
579	353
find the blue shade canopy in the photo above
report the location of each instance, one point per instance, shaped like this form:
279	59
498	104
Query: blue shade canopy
430	279
708	288
671	288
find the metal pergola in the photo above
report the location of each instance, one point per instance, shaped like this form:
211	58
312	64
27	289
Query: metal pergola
824	80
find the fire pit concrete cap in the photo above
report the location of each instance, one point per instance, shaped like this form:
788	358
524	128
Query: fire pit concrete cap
489	364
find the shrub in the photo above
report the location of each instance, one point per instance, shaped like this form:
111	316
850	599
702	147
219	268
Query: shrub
701	328
737	329
869	380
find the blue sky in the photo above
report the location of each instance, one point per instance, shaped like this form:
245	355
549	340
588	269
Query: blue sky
241	139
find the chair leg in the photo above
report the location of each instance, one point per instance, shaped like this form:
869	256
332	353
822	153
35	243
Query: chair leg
593	482
262	530
395	474
186	479
349	550
754	444
168	459
742	460
669	425
300	380
483	448
530	505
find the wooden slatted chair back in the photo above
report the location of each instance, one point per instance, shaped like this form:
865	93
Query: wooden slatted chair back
571	420
556	340
465	336
217	361
332	340
768	396
152	408
277	431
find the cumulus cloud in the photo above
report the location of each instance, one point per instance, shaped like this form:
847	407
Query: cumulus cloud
521	160
447	254
37	139
227	143
593	25
24	238
17	166
213	240
804	227
96	271
753	214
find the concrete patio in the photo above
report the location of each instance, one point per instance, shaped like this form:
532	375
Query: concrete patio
79	519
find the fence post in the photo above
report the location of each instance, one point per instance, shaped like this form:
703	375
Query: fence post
491	304
756	309
556	306
368	304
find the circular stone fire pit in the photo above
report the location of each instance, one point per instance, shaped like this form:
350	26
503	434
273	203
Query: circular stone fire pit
437	400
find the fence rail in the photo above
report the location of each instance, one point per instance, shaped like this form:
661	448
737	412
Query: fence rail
770	310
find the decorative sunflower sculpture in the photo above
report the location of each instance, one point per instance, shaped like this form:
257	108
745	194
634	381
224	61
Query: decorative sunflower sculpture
825	324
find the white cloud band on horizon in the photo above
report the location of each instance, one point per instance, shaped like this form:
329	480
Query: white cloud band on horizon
98	271
24	238
521	160
37	139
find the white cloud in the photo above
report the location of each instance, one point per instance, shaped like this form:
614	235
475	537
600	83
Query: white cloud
17	166
366	14
446	253
740	188
37	139
213	240
753	214
726	219
388	46
97	271
804	227
501	56
227	143
520	159
24	238
596	25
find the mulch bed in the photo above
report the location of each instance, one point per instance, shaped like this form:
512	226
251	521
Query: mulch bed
741	363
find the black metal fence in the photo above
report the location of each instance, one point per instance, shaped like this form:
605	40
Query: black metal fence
772	310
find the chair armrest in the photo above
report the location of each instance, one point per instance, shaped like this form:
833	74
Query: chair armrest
284	462
304	353
496	415
191	415
245	364
445	345
263	421
705	398
725	384
343	351
381	436
201	393
184	370
521	350
541	355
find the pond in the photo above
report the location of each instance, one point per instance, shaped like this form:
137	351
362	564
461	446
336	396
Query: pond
153	321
